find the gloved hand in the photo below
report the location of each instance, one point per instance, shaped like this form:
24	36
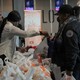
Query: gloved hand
45	33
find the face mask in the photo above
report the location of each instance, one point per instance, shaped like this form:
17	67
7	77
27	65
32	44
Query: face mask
1	64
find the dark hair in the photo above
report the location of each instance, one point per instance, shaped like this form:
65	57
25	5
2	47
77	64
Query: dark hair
2	27
13	16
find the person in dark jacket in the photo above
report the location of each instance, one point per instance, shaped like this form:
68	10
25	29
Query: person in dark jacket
66	53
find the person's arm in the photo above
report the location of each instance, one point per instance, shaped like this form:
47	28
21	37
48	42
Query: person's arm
23	33
70	41
16	31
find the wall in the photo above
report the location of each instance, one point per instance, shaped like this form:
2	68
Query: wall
19	5
45	5
8	5
39	5
72	2
5	7
46	22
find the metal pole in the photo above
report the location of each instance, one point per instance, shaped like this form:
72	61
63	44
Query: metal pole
34	4
66	1
51	15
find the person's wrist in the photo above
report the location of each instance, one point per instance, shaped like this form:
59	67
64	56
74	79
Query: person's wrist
69	73
40	32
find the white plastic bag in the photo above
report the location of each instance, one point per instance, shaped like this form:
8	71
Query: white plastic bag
41	48
18	57
13	72
30	73
66	77
56	71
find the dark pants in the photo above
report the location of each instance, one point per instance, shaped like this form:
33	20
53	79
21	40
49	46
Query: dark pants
76	74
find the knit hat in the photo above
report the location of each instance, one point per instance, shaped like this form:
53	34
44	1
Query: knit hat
65	9
14	16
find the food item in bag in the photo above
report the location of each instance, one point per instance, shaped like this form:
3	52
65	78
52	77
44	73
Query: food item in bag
39	58
23	68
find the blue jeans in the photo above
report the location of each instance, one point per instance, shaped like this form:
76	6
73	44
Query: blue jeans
76	74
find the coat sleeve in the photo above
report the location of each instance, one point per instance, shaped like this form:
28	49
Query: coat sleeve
70	41
22	33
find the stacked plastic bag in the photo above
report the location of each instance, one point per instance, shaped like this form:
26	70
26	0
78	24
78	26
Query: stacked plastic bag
30	68
11	72
27	68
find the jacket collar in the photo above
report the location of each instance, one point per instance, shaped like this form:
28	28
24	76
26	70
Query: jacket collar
70	19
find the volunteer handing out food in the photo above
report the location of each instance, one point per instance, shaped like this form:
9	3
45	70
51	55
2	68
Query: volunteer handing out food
8	30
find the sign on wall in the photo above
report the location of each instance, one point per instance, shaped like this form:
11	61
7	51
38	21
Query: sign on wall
32	19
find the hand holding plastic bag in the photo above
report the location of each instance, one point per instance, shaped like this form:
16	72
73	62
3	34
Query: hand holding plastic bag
66	77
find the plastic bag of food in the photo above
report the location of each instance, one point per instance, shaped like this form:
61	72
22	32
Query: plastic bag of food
66	77
13	71
29	74
41	73
18	57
